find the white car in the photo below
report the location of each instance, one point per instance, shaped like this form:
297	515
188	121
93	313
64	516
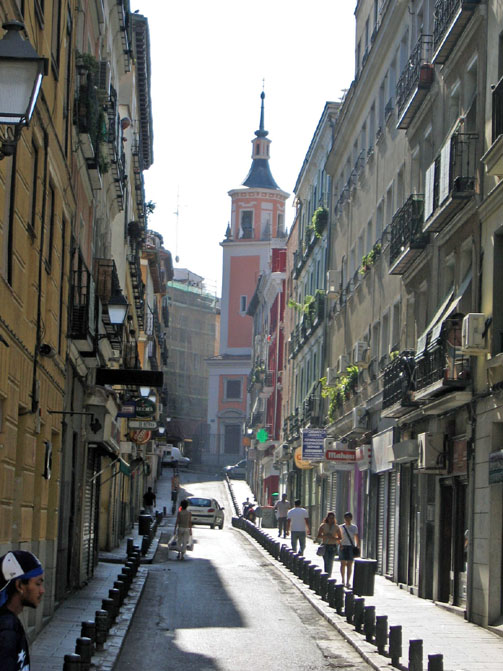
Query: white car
171	456
206	511
236	470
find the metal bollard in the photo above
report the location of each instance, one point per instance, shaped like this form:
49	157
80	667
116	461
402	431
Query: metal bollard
323	586
88	630
84	648
130	546
164	511
317	579
305	575
395	644
109	607
359	606
121	586
369	623
126	574
101	619
381	633
339	598
331	582
435	663
312	569
115	595
145	544
416	655
349	607
72	663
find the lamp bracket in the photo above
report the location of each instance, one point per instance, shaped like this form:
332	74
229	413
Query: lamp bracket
9	137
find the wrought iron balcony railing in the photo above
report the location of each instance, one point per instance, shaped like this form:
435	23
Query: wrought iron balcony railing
415	80
407	237
450	19
399	381
82	308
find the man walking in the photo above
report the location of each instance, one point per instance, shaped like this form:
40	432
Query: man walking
21	584
281	508
298	525
149	501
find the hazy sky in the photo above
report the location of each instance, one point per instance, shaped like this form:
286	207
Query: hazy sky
208	62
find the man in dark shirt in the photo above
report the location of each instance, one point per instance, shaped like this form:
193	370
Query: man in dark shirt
21	584
149	501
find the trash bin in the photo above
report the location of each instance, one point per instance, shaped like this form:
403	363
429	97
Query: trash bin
268	517
364	571
144	522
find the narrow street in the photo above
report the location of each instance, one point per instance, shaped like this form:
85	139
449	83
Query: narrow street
226	607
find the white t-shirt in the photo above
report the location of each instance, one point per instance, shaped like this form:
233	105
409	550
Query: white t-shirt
298	516
353	530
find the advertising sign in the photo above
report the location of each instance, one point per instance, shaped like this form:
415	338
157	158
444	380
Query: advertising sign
341	456
496	467
127	410
142	424
140	437
312	444
144	407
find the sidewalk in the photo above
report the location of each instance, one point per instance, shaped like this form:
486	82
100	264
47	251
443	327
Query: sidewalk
60	634
465	646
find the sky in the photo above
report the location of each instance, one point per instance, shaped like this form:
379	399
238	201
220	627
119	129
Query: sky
209	61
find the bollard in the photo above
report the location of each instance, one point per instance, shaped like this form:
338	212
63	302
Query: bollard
331	582
359	606
130	545
164	511
145	544
324	586
88	630
416	655
311	570
369	622
121	586
317	579
349	606
101	619
84	648
395	644
435	663
126	574
339	598
108	606
305	575
381	633
72	663
115	595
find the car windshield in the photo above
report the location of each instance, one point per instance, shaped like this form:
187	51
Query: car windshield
199	503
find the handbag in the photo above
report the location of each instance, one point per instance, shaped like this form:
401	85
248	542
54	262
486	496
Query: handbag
321	551
356	550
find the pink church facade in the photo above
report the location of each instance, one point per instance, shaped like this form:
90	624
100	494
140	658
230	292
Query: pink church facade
255	229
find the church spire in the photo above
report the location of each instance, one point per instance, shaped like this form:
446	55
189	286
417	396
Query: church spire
260	173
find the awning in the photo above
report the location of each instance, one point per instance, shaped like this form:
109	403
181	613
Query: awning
129	377
449	304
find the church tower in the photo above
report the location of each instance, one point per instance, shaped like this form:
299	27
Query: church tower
257	226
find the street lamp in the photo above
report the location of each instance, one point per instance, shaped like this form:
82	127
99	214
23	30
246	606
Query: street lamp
21	73
117	308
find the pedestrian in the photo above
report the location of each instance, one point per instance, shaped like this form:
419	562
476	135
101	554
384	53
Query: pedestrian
350	541
298	526
330	534
246	505
175	486
21	584
149	501
183	528
281	509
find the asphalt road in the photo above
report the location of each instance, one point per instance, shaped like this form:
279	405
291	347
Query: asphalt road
226	608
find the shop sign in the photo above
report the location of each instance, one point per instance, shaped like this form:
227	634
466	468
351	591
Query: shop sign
341	456
142	424
127	410
141	436
144	407
313	444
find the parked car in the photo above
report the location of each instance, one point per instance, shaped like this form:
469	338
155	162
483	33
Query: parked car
237	470
172	457
206	511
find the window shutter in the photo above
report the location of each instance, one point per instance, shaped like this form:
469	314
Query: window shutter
445	169
428	191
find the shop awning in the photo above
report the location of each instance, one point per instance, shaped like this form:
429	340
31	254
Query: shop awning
125	377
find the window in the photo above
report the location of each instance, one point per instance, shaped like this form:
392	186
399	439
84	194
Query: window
233	390
246	224
242	304
52	217
55	36
232	438
34	185
497	325
379	220
395	333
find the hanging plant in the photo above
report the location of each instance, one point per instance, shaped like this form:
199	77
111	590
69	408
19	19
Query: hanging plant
301	307
319	221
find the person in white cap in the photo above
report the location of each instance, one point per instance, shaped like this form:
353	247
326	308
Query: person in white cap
21	584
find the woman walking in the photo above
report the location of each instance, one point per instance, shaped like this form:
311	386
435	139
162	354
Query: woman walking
183	529
331	536
349	545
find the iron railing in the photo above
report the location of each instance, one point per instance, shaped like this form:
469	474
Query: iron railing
442	359
410	77
444	13
398	383
406	226
497	98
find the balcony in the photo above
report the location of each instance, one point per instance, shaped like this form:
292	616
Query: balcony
398	390
267	384
451	18
116	154
82	309
415	82
441	366
138	287
450	181
407	237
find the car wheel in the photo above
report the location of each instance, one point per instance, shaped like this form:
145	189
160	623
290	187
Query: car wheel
221	525
212	526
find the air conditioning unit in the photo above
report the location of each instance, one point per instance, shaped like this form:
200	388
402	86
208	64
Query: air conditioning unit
359	418
361	353
334	282
431	451
332	444
331	377
473	339
342	364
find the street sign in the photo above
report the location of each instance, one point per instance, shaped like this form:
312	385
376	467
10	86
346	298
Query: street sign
144	407
142	424
313	448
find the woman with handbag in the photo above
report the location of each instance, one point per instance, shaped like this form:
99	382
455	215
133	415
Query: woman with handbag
183	529
330	535
350	548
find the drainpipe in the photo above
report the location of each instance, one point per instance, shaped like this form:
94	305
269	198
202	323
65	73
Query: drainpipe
38	340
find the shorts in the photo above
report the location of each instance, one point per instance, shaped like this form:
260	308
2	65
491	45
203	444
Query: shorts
346	552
